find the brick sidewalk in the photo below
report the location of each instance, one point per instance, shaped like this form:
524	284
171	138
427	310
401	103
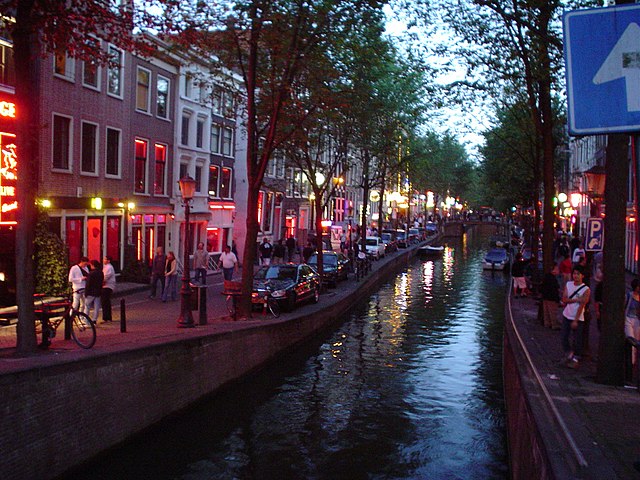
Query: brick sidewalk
602	420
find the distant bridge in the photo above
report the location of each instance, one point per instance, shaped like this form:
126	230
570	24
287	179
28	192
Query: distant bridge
457	228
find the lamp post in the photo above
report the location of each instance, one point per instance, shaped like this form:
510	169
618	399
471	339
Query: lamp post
185	320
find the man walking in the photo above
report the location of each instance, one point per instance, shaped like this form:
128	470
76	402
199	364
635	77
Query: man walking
201	263
227	262
78	278
265	251
157	271
108	286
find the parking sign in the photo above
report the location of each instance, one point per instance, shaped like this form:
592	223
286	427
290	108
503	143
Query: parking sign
595	234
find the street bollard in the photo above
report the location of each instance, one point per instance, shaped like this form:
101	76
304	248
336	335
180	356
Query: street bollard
202	318
123	317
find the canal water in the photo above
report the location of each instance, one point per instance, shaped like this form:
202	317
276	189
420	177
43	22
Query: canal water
408	387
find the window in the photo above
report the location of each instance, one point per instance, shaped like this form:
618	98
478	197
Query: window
215	138
112	167
140	174
225	183
91	69
88	161
114	73
7	67
162	97
214	176
216	99
227	141
184	133
188	86
184	170
61	142
143	82
161	163
199	133
64	66
198	178
228	104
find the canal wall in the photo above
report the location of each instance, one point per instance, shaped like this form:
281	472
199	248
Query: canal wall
57	416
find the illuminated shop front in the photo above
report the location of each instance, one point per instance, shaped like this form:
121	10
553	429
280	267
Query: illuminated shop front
95	229
8	202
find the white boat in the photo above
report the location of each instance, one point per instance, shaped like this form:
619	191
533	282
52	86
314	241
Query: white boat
430	250
495	259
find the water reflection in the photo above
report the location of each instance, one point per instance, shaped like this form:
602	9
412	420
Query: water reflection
408	387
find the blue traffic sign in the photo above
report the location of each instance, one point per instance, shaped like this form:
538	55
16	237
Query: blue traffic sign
602	56
595	234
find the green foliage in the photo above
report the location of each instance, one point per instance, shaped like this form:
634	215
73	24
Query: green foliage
136	271
52	266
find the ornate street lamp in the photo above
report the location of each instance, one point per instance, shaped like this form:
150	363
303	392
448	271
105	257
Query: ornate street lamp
185	320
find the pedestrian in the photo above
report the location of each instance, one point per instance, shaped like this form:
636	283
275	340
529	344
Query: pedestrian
108	286
227	262
307	252
278	252
578	253
575	297
517	272
234	250
550	290
93	291
201	263
157	271
291	248
565	271
265	251
78	274
171	276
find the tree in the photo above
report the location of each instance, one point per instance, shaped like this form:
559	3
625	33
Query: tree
516	45
50	259
273	44
42	27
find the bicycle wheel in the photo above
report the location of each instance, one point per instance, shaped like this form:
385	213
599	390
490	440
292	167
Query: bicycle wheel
231	305
274	307
83	330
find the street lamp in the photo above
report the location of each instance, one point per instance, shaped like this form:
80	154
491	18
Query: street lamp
185	320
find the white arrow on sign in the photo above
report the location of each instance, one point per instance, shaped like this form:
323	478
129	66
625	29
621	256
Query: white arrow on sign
624	62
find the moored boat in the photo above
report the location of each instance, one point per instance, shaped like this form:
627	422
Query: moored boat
495	259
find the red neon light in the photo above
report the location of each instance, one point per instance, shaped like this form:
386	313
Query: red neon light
8	109
8	177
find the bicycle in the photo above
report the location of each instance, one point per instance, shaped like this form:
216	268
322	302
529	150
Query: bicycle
83	330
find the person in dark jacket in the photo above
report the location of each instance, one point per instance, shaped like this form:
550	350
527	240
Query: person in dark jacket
93	290
550	290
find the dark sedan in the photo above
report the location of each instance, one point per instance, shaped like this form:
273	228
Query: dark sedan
290	284
335	266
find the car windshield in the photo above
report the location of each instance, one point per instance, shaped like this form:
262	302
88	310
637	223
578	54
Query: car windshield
386	237
400	235
326	260
372	242
284	272
414	231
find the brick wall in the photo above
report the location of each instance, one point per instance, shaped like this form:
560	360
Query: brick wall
55	417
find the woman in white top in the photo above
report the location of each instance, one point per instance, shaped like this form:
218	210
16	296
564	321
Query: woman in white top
575	297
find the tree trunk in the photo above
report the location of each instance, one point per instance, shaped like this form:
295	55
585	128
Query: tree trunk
28	128
611	349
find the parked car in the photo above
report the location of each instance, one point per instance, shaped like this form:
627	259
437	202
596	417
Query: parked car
431	228
401	238
389	239
289	284
414	235
335	266
375	247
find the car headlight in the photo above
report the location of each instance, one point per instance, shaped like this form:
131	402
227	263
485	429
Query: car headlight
279	293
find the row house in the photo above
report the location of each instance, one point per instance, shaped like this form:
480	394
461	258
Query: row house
206	151
587	158
106	149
